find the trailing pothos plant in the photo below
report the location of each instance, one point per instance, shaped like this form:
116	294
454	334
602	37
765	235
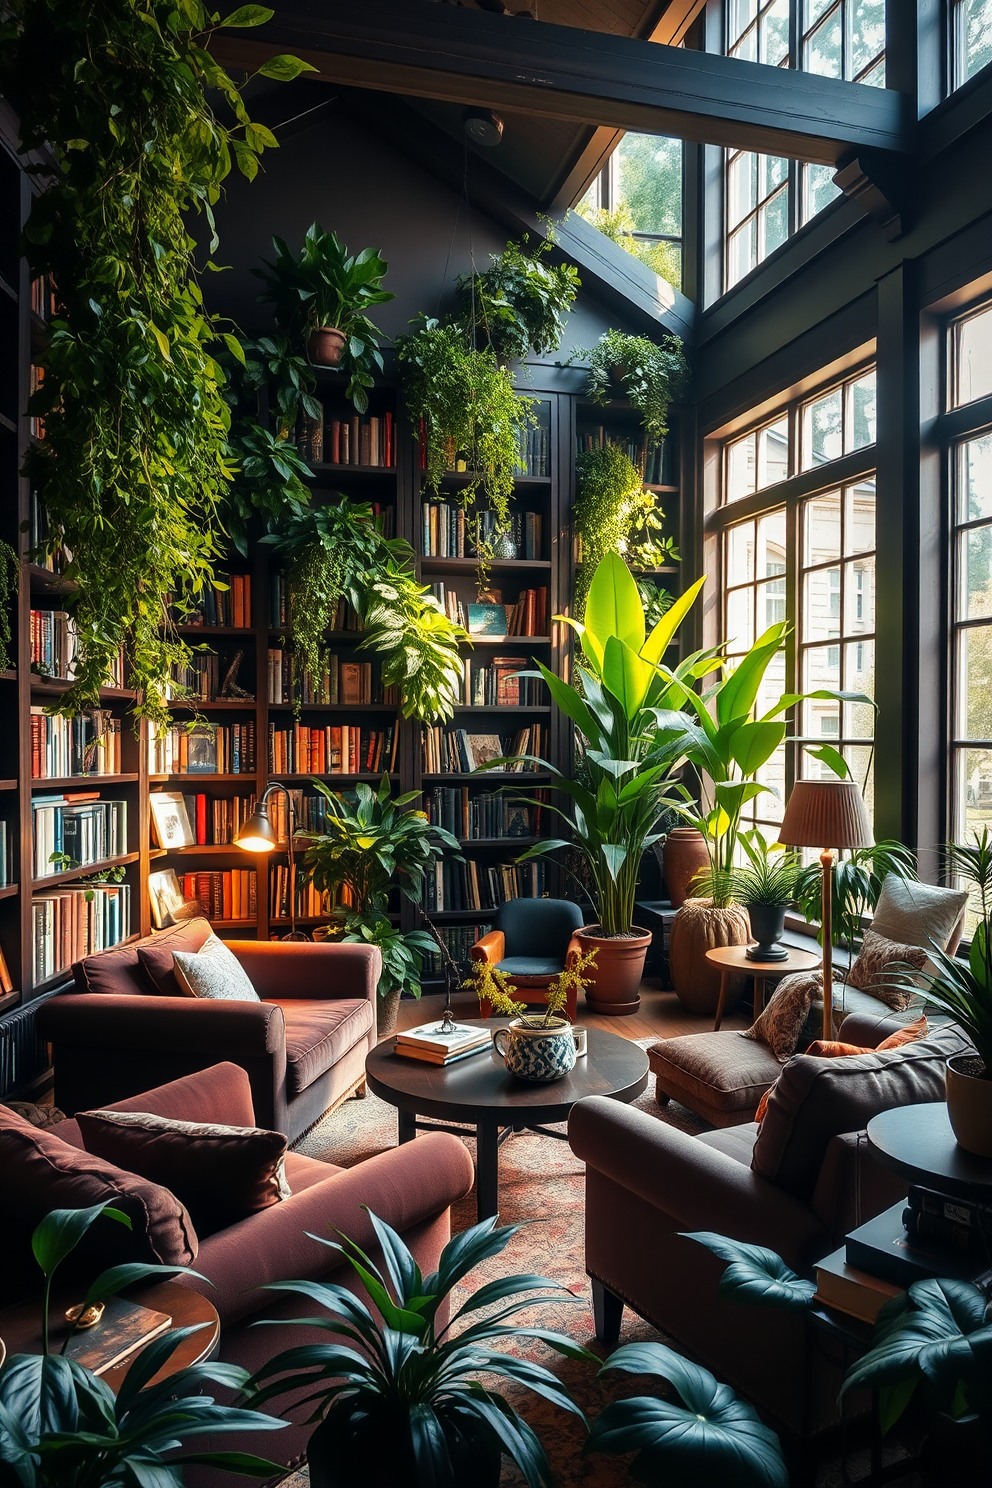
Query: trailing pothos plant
613	513
520	302
9	578
135	458
650	375
330	551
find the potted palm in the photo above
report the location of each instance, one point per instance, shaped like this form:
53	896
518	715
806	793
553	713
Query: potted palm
766	887
322	298
367	848
396	1395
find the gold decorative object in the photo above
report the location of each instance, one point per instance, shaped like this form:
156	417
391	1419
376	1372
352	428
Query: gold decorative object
82	1318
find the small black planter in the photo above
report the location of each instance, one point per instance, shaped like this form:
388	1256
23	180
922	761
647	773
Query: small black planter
378	1454
767	927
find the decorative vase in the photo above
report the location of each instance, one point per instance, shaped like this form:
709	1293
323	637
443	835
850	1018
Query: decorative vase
379	1454
699	927
504	546
538	1053
969	1103
767	927
325	346
684	855
387	1006
616	976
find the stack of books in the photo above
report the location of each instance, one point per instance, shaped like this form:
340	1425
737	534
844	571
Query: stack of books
428	1044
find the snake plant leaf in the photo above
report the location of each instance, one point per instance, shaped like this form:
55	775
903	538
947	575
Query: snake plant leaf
755	1276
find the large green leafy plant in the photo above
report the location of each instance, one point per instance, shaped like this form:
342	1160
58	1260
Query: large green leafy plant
135	460
398	1392
326	286
856	884
519	304
63	1427
651	376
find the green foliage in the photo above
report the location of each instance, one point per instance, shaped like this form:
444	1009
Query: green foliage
769	880
971	862
520	303
63	1427
962	989
409	1379
326	286
857	883
613	513
569	979
135	461
617	224
10	573
710	1440
656	599
461	402
651	376
402	950
330	551
756	1277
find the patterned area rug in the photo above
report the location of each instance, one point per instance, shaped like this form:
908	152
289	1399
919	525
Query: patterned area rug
542	1188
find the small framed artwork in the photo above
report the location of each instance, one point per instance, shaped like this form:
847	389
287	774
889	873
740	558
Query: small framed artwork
165	899
170	819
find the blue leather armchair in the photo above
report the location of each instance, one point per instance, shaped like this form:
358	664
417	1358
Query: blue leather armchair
531	941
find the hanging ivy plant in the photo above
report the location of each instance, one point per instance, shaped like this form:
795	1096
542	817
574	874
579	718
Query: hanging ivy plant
651	376
340	550
9	577
135	458
520	302
613	513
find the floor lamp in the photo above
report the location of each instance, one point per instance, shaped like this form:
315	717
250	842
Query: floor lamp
257	836
821	812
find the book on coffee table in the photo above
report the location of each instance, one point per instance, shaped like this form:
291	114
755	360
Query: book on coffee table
428	1044
124	1328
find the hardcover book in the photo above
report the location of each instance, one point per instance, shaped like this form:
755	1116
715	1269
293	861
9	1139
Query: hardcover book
487	619
124	1328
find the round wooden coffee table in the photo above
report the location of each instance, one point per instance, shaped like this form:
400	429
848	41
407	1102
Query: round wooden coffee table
480	1095
733	961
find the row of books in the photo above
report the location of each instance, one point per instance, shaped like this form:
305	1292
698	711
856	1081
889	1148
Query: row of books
450	532
204	749
533	452
311	812
55	647
483	814
201	679
653	461
197	820
347	750
229	607
86	744
43	296
309	902
76	921
500	685
227	894
345	617
75	830
455	751
348	441
342	681
474	885
526	616
459	940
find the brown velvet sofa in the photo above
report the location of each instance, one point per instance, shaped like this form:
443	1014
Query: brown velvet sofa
798	1188
410	1187
125	1026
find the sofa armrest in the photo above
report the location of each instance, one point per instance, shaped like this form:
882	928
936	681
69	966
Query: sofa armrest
403	1186
163	1024
698	1187
867	1030
284	970
575	950
491	948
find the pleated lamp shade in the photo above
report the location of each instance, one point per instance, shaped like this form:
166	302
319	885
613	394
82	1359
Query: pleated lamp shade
826	814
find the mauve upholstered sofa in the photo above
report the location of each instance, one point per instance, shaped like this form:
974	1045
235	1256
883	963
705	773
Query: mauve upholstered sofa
125	1026
410	1187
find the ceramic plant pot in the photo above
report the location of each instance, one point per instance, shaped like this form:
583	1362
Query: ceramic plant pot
616	977
325	347
683	856
969	1104
537	1053
697	928
767	927
387	1006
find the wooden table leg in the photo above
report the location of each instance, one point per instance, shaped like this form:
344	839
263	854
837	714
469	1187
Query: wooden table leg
407	1126
487	1170
722	1000
759	996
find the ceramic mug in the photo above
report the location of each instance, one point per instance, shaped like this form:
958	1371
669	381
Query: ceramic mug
532	1051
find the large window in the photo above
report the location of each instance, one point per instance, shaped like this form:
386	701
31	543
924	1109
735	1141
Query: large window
637	201
807	556
971	38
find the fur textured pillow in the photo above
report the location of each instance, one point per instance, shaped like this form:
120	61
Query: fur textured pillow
213	971
880	964
781	1023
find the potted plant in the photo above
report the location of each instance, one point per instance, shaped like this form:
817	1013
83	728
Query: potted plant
61	1426
766	887
396	1395
613	513
367	849
322	298
520	302
650	375
539	1046
626	763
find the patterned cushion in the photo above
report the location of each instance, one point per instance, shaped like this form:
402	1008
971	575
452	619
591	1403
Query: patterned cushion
881	964
214	972
782	1021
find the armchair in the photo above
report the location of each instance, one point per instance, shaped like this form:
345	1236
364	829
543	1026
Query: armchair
531	941
124	1028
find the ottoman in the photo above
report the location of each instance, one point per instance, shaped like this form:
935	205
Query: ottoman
720	1076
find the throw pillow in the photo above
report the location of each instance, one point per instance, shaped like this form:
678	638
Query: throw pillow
221	1173
155	953
920	914
781	1023
214	972
908	1035
881	965
834	1049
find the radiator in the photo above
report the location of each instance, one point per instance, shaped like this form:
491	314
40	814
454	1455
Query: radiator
23	1055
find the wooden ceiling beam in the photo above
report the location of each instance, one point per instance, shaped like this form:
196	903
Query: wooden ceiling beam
560	72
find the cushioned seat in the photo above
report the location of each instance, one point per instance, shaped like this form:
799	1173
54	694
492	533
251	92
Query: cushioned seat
523	966
532	940
319	1035
303	1172
720	1076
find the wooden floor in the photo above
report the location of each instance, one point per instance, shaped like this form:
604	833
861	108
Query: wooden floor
661	1015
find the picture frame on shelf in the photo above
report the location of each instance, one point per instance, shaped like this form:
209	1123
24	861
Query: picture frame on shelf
170	820
166	901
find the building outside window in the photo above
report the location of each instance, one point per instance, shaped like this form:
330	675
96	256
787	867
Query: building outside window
971	38
637	201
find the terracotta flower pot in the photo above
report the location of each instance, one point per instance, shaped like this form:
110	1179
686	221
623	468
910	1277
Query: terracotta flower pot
683	856
969	1104
387	1006
697	928
325	346
616	977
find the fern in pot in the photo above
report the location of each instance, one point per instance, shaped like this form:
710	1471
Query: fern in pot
766	888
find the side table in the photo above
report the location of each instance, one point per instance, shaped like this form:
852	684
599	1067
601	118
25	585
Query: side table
733	961
918	1143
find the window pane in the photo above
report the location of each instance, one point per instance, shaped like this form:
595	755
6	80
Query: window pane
771	546
740	628
875	78
974	791
975	560
813	10
742	179
818	189
773	454
741	257
867	33
823	430
860	428
859	718
747	47
861	763
821	669
822	528
859	518
740	470
972	38
773	222
823	50
973	357
740	14
975	683
773	170
740	554
821	604
775	33
859	596
975	479
649	182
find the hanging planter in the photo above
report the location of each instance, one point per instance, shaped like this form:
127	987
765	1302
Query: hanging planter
325	346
